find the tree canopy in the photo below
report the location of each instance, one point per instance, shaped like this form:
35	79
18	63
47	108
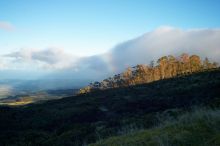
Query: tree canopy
166	67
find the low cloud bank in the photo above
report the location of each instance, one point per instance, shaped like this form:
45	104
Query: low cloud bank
51	58
140	50
165	41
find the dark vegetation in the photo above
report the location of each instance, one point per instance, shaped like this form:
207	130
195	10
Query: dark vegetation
197	128
145	114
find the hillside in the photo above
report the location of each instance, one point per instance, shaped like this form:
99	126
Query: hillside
88	118
201	127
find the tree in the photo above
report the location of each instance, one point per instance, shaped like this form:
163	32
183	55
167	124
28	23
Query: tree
195	63
127	76
141	74
85	90
206	64
172	66
162	65
184	64
151	64
214	65
151	71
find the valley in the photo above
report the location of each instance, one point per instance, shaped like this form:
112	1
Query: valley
27	97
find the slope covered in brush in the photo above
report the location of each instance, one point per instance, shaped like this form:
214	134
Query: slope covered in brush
87	118
200	127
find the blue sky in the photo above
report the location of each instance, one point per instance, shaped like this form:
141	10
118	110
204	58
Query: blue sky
88	27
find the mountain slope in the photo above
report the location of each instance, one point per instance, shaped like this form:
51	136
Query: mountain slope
87	118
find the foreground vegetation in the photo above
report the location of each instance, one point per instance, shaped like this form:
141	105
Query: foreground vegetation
127	115
200	127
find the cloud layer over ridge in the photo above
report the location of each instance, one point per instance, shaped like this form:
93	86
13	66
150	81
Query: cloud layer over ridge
143	49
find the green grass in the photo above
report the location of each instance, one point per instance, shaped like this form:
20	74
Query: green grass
199	128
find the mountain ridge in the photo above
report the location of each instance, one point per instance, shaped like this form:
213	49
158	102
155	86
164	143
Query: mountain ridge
87	118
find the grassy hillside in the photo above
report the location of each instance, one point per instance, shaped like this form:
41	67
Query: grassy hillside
88	118
199	128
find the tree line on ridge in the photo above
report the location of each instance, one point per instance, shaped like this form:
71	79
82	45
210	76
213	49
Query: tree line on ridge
165	67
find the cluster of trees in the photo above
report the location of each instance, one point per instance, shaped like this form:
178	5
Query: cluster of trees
165	67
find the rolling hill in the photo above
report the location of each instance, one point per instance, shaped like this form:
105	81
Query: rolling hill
133	113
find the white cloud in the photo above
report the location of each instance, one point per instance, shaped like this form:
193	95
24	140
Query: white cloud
51	58
4	25
1	65
165	41
143	49
150	46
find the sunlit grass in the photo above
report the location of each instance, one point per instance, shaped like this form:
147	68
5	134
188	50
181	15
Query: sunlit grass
24	101
199	128
20	103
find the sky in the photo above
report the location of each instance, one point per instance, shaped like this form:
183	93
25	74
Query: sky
53	36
